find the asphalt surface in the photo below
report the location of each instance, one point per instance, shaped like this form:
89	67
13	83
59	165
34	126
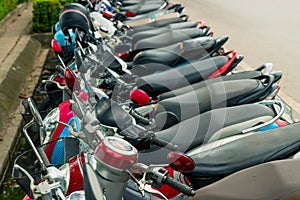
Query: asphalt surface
263	31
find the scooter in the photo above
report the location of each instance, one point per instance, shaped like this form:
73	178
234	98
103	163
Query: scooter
111	114
259	89
134	2
55	183
35	178
177	54
160	120
170	117
105	117
192	150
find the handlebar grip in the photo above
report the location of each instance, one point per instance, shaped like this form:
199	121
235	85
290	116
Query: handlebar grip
179	186
163	143
140	118
45	160
43	156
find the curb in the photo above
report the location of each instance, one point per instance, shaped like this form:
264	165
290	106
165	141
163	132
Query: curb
20	67
19	63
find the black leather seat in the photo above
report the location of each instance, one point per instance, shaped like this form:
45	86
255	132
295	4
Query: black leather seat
236	76
172	26
141	9
247	151
193	132
211	96
134	2
167	38
155	84
176	53
163	22
141	33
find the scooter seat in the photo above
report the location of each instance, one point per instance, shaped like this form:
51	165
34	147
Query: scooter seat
168	38
141	9
211	96
134	2
254	74
245	152
182	25
173	26
201	128
197	71
195	131
142	34
169	56
163	22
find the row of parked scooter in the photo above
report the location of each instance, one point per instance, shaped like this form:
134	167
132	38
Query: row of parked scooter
147	104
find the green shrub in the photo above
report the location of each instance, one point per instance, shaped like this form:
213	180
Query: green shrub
7	6
3	10
46	14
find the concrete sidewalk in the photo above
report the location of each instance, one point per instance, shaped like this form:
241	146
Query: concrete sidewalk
12	28
14	41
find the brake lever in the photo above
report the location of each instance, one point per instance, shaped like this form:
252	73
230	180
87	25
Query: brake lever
149	189
142	184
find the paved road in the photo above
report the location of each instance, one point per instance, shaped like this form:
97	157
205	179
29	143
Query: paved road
263	31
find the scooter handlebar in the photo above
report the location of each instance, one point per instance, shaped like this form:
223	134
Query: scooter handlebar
179	186
163	143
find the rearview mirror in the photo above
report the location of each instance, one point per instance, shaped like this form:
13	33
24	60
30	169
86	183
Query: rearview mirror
71	80
34	111
56	46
